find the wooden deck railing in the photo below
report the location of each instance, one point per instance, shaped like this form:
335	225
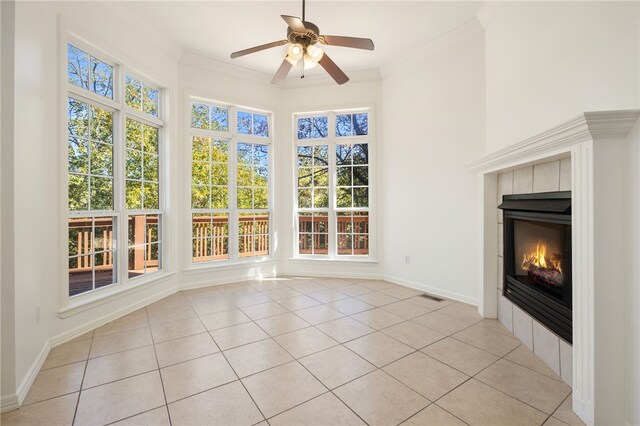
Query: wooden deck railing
359	235
213	244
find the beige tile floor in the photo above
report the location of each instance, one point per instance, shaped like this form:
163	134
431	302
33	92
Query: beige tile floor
295	351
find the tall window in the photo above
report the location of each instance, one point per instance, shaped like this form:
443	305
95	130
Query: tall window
332	197
113	142
230	184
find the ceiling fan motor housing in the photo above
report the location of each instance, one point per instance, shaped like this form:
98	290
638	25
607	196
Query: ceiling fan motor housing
306	38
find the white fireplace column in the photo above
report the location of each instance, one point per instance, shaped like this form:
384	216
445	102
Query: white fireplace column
599	149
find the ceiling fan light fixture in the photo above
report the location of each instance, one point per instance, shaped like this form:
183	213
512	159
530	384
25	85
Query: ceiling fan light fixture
314	53
309	62
295	51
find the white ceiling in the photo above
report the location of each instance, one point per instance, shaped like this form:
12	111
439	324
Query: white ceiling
217	28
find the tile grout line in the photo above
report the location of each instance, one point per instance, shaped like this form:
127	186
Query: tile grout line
234	372
164	393
86	365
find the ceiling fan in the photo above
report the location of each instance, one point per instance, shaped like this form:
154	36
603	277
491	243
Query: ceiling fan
304	40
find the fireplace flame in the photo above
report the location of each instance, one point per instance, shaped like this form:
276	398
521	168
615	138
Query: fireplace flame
539	258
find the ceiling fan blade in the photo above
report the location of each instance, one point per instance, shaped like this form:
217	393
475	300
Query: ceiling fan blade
282	72
334	71
295	23
258	48
355	42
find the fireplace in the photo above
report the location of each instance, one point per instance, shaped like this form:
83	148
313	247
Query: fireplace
537	257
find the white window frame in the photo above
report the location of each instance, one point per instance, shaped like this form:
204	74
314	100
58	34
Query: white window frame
332	141
233	137
70	305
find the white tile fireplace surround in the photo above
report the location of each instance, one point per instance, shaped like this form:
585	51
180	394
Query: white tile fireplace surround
597	144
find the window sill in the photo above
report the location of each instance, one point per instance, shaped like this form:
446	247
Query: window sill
226	265
333	260
111	294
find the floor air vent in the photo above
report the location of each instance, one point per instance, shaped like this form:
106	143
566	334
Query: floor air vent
428	296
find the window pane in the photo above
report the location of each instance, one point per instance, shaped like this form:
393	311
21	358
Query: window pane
305	156
360	176
150	139
150	100
344	126
219	151
77	67
101	159
219	197
305	176
200	149
261	176
321	198
103	271
320	127
343	155
245	154
361	124
101	193
360	154
244	123
200	173
253	234
78	115
260	125
219	174
133	195
134	134
304	128
200	118
101	78
91	253
321	176
261	155
151	196
199	197
133	93
261	198
219	118
245	198
103	234
344	176
134	164
144	253
353	233
321	155
343	197
101	125
151	168
78	156
210	237
360	197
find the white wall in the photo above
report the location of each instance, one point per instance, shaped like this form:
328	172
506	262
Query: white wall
433	124
7	290
38	172
546	62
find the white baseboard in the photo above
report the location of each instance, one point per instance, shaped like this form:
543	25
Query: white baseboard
9	402
14	401
432	290
305	273
221	281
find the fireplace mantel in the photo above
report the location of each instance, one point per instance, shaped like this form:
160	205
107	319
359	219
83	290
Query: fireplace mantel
597	144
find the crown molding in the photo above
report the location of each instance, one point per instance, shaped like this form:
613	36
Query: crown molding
471	28
586	126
